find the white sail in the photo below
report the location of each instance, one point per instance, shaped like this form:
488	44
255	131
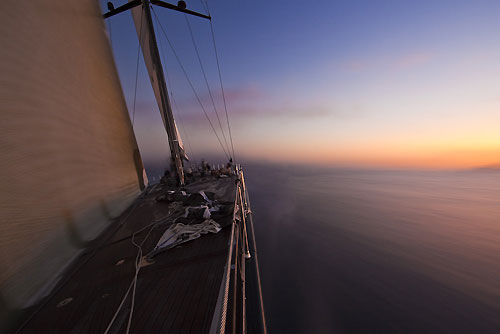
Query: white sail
69	156
155	71
181	144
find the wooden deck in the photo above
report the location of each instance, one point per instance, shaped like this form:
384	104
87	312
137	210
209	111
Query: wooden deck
176	293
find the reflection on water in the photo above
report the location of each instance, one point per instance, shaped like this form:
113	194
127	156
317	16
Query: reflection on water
378	251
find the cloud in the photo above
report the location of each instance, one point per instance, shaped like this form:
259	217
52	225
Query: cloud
243	93
253	112
413	60
285	111
247	103
355	65
242	102
407	60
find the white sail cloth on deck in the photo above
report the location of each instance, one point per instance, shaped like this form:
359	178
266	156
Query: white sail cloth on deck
181	233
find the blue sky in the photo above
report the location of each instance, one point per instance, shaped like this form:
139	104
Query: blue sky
405	83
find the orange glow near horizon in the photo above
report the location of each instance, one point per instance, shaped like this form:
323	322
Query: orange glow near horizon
455	159
385	155
455	139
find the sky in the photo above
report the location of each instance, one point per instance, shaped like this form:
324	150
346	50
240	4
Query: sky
344	83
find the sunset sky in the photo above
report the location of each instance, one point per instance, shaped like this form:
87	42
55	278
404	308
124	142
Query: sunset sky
350	83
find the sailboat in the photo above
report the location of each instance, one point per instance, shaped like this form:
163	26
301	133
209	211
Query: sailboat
86	244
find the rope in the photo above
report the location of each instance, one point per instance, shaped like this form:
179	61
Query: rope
134	280
137	69
133	285
190	83
220	80
137	269
206	80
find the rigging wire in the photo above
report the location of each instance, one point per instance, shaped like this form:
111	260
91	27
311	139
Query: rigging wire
173	101
205	6
137	69
220	78
190	83
206	80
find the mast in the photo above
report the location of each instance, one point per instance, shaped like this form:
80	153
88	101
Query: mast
155	68
141	14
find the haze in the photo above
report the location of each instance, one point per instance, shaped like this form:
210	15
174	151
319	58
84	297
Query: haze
385	83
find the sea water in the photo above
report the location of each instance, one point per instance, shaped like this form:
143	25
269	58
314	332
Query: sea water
378	251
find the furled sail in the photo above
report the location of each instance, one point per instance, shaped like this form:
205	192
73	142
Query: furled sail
181	144
145	33
70	160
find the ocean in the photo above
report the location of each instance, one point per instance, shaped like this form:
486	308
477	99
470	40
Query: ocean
377	251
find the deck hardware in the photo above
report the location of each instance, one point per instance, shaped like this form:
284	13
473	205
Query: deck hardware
64	302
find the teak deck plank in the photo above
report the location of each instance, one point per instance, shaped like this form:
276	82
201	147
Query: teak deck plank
177	293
